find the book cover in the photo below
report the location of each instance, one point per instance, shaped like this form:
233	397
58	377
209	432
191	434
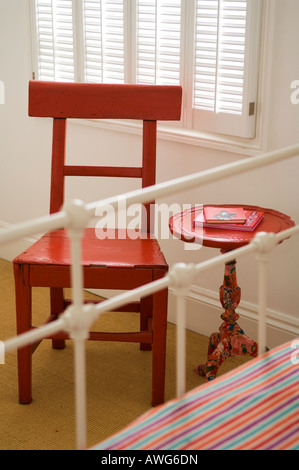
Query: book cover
216	215
253	218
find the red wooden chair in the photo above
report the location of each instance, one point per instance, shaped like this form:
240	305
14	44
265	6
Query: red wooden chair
108	263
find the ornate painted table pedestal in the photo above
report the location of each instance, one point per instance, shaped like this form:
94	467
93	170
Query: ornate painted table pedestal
231	339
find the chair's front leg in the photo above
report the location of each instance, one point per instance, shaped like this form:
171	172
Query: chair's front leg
160	301
23	319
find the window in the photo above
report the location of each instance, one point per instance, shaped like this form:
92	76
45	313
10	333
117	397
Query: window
210	47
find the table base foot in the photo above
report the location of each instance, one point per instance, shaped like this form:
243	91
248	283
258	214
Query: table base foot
223	345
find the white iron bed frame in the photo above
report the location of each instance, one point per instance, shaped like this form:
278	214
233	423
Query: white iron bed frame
75	216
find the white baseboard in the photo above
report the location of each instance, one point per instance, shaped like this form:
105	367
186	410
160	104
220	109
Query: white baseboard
9	251
204	310
203	306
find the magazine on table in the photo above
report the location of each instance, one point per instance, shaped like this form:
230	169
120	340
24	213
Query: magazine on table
250	222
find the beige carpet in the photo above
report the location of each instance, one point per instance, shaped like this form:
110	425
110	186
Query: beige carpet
118	380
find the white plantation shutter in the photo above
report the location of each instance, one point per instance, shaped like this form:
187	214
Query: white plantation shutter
54	38
98	41
225	69
103	42
158	42
210	47
92	30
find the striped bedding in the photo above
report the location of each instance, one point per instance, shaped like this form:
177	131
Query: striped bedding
256	406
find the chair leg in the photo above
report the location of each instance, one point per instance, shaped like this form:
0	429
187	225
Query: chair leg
160	300
23	318
57	307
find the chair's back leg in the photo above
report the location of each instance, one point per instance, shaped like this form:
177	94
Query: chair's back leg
58	161
149	166
146	310
57	307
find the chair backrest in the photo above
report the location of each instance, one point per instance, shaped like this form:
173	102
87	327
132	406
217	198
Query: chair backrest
61	101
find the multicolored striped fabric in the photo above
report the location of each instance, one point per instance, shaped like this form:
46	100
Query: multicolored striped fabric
256	406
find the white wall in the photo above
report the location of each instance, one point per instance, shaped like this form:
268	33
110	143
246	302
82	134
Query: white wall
25	163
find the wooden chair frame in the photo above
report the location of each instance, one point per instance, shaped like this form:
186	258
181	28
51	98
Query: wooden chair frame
47	262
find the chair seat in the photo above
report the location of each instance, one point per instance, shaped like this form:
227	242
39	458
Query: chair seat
128	249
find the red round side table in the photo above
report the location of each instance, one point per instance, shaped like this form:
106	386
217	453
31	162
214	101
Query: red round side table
231	339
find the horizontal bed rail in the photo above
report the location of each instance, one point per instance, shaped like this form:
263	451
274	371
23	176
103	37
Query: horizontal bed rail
75	217
142	196
178	278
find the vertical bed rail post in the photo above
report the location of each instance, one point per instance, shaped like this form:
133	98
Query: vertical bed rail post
181	309
262	302
264	242
181	277
78	323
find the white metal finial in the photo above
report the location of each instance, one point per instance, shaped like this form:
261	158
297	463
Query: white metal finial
77	322
264	242
78	214
182	275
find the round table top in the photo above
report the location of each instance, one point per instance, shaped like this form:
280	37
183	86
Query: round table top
182	227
